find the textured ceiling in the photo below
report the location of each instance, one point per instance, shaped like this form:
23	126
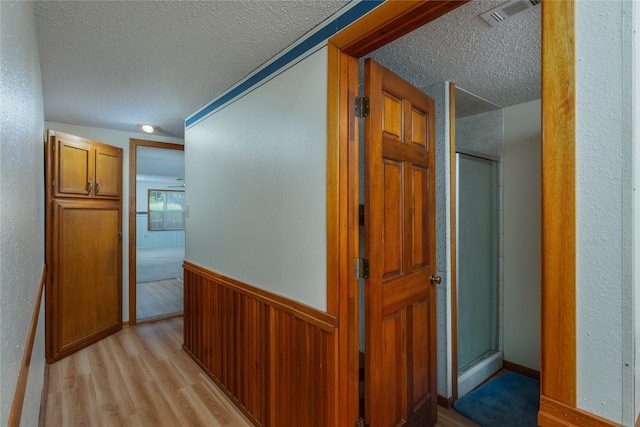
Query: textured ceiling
117	64
499	64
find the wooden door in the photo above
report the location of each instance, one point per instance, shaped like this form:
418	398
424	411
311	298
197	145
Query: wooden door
400	333
87	291
83	243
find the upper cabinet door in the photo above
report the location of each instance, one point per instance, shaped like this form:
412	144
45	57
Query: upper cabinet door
74	166
108	176
84	168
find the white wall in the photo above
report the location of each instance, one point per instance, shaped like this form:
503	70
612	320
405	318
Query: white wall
604	186
257	186
117	139
440	94
522	231
21	205
636	202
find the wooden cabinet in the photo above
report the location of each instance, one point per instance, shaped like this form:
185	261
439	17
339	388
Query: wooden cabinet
83	243
87	274
84	168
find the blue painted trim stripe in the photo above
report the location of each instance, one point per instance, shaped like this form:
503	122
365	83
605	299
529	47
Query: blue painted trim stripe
319	36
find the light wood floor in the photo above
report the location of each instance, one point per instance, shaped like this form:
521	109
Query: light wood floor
162	298
140	377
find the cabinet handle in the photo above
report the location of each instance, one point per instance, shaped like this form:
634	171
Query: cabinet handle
97	187
89	187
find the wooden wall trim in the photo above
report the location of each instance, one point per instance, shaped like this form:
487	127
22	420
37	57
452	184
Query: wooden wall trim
446	402
343	134
558	329
557	414
276	360
304	312
23	374
520	369
388	22
133	145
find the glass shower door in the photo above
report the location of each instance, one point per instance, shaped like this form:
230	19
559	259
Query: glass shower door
476	259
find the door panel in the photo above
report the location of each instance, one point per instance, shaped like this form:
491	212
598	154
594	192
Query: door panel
88	263
394	366
74	167
392	218
400	382
420	218
108	172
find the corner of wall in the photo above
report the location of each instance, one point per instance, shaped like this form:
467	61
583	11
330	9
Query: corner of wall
21	206
440	93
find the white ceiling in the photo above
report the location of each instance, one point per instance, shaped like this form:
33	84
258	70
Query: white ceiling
117	64
159	164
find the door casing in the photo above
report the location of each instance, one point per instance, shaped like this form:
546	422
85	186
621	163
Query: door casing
133	151
384	24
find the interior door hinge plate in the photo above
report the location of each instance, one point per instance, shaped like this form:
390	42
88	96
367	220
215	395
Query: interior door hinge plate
362	268
362	423
362	106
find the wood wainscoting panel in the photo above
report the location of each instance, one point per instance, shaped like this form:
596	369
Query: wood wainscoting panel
557	414
275	358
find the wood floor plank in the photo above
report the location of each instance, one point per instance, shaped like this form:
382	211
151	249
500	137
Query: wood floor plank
140	377
159	298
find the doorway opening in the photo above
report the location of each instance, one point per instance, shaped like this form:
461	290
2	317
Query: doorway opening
477	275
156	231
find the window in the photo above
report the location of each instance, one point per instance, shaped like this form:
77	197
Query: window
166	210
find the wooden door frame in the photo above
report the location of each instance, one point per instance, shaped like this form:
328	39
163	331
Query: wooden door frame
384	24
133	150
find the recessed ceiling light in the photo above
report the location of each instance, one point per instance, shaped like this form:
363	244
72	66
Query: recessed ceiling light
147	128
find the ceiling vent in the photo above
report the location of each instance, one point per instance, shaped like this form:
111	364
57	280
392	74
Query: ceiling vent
498	15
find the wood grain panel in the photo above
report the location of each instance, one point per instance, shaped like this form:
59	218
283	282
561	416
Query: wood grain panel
389	22
88	290
420	218
274	358
419	124
558	300
392	116
393	370
343	217
554	413
108	172
420	357
77	171
393	217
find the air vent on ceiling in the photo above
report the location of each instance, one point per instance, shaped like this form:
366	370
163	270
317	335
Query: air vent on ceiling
508	10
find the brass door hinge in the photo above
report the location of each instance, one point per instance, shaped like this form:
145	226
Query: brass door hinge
362	106
362	268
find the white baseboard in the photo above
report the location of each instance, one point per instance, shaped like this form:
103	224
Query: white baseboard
479	373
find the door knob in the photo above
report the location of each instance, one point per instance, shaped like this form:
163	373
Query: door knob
436	280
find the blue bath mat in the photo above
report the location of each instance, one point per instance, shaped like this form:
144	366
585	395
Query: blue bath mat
509	400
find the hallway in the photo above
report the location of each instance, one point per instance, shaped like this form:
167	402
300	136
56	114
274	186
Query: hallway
141	377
